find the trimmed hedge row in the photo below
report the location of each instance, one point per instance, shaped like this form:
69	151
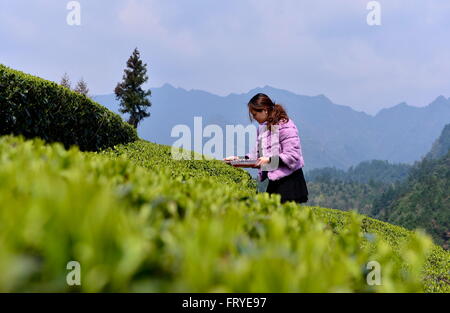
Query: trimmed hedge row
136	229
157	158
34	107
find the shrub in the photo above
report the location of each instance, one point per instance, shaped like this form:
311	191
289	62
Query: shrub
135	228
34	107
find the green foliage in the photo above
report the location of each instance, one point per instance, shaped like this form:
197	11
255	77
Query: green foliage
133	99
156	157
441	146
345	196
34	107
354	189
364	172
422	201
136	223
381	190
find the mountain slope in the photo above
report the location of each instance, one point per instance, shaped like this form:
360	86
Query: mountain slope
441	145
423	200
332	135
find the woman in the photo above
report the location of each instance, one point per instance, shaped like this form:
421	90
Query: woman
277	150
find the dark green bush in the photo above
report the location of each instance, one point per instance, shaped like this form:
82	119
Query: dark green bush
34	107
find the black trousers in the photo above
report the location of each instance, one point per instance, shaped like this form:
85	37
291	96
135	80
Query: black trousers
291	188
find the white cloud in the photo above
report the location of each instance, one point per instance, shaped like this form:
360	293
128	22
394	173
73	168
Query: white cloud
23	29
146	19
309	47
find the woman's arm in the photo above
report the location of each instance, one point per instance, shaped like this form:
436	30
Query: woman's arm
291	153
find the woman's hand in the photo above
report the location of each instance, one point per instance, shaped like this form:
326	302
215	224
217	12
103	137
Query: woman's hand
231	158
262	161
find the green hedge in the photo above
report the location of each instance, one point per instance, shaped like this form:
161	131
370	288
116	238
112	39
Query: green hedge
156	158
135	229
34	107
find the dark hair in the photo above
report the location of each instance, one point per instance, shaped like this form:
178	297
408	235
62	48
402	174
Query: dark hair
276	112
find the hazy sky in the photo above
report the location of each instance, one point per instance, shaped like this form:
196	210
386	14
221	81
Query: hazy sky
231	46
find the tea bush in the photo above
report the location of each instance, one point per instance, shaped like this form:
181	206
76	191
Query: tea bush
136	220
153	156
34	107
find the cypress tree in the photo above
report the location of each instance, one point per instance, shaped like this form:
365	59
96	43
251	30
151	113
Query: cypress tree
133	99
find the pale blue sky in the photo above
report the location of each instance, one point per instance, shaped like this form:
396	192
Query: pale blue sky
308	47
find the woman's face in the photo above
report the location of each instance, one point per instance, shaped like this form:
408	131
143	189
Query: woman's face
259	115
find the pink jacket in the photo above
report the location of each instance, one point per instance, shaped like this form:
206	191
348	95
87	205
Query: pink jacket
283	143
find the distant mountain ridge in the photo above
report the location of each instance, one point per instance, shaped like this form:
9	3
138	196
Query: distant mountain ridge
331	134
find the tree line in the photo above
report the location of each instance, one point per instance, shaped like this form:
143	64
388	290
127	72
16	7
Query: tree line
133	99
81	86
412	196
